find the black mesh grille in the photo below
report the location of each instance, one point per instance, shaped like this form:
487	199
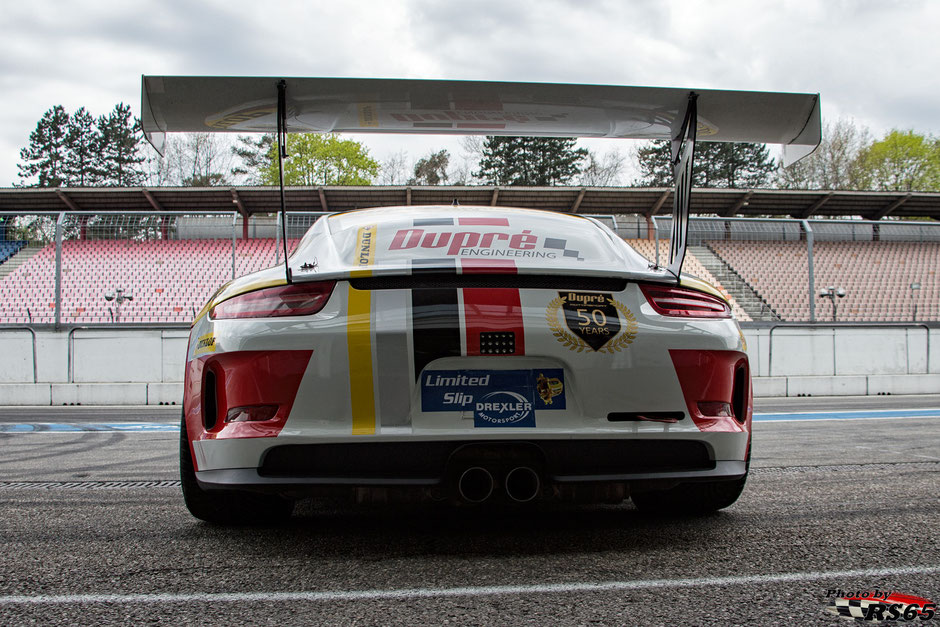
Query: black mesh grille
497	343
519	281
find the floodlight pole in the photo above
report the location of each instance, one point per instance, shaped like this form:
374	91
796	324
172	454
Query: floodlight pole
682	155
281	155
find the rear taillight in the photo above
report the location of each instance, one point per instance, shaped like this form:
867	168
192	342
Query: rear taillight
297	299
685	303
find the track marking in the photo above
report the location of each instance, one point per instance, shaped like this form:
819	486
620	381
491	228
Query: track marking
467	591
73	427
166	427
884	450
848	415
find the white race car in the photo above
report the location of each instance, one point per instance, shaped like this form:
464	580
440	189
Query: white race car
466	353
475	354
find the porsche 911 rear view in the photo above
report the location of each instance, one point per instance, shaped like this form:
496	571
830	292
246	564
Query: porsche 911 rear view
471	354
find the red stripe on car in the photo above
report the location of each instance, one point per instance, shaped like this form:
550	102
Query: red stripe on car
483	221
488	266
493	311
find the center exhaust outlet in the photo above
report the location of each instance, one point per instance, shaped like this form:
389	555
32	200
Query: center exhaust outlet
523	484
475	484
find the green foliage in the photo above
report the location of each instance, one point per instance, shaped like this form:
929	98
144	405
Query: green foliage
901	161
120	134
735	165
77	150
316	159
537	161
44	159
431	170
254	155
82	165
655	165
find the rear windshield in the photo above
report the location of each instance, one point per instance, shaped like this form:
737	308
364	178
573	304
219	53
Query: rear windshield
439	238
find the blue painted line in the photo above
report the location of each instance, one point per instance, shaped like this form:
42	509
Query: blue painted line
163	427
849	415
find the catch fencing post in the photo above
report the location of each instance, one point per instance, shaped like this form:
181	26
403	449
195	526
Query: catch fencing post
58	270
809	258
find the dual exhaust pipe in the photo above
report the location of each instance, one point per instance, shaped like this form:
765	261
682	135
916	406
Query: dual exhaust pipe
476	484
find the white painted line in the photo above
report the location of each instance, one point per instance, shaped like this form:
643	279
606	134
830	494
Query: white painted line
469	591
902	453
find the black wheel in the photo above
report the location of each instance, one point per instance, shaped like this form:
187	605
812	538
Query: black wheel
691	498
227	507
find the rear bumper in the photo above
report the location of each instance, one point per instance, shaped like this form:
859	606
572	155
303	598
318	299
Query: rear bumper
293	467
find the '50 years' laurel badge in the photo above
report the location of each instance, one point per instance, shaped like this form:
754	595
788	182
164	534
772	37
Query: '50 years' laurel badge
593	320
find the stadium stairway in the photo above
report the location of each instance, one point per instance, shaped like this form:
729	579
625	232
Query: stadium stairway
14	262
746	297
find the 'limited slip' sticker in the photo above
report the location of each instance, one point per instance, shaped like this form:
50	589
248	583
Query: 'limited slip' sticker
497	398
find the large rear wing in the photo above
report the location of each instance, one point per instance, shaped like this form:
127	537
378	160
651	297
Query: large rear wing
355	105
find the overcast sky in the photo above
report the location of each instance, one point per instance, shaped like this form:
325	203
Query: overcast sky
874	61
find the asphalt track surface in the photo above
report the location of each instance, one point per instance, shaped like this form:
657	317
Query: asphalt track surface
93	531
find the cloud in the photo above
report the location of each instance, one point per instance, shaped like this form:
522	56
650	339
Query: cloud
872	60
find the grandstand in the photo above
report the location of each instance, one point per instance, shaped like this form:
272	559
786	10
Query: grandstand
173	256
8	249
170	279
876	276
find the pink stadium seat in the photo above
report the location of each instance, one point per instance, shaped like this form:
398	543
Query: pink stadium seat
875	275
186	271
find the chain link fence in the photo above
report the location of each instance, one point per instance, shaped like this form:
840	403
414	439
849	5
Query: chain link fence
820	270
115	267
161	268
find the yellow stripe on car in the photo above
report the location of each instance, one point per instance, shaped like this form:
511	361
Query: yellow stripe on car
359	338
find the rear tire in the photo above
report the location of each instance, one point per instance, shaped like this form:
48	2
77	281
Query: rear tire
690	498
227	507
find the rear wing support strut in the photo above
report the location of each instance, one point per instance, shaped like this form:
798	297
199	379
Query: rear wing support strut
281	155
682	155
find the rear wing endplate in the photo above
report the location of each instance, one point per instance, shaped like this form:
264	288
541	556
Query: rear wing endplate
355	105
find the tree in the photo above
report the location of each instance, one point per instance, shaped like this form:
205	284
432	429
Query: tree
120	160
902	161
431	170
537	161
723	164
834	164
190	160
254	155
204	159
394	170
45	156
654	161
83	142
471	152
603	171
322	159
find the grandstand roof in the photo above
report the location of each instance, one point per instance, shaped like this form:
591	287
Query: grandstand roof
619	200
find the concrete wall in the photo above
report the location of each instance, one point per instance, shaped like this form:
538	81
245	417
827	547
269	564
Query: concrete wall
145	366
817	360
92	366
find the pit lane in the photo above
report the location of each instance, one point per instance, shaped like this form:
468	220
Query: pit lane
93	529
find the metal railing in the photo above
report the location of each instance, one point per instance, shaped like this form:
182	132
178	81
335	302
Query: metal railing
58	245
119	268
888	264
